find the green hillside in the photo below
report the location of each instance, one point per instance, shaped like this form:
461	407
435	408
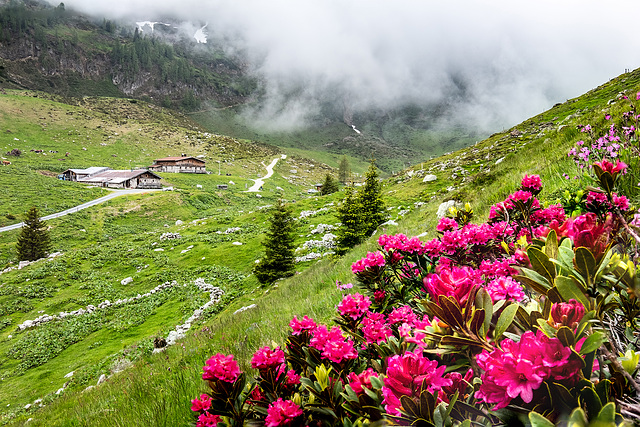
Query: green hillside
103	245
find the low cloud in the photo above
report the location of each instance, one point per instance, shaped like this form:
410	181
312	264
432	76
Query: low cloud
494	62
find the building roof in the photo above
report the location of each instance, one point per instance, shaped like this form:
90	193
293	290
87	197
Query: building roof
88	171
175	158
116	176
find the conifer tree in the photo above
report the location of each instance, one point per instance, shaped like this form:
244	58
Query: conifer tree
344	170
349	213
370	197
279	246
33	241
329	186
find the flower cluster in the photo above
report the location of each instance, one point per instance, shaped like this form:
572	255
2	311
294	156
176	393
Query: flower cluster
409	375
221	367
456	282
518	369
354	305
333	344
475	320
282	413
373	259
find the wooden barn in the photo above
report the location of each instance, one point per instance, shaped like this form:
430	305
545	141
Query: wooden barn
182	164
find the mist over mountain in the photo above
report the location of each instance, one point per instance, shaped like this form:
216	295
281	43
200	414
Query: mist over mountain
491	63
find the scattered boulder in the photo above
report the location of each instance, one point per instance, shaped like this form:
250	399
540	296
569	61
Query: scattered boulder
126	281
429	178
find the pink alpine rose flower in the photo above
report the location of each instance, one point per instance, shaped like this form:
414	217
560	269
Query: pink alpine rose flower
222	368
410	374
354	306
373	259
567	313
265	358
358	381
201	404
456	282
532	184
503	288
306	324
208	420
282	413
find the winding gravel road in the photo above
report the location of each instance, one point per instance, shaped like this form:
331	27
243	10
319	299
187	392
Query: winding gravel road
115	193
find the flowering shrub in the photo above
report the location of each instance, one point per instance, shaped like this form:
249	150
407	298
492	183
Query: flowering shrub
531	316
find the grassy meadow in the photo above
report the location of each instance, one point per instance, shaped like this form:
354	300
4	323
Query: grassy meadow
105	244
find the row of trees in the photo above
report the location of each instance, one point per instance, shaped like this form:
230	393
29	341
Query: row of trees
360	213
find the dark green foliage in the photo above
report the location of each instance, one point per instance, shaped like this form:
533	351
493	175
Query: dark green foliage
370	198
279	246
344	170
350	233
33	242
329	186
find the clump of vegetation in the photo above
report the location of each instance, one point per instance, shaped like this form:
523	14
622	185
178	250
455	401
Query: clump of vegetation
489	323
361	212
278	261
33	242
329	186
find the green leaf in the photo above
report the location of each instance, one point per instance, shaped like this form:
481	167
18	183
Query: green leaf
376	382
584	323
577	418
540	287
505	320
608	413
566	337
586	265
546	328
483	300
592	343
538	420
570	290
541	264
551	245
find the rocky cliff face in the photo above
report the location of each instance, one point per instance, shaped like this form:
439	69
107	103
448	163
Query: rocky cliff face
78	66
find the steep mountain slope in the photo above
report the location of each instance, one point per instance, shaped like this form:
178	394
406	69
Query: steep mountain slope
158	388
59	51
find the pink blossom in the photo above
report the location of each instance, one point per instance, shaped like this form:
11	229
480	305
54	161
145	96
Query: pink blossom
519	368
201	404
306	324
373	259
292	377
607	166
282	413
379	296
447	224
458	383
358	381
531	183
505	288
402	314
265	358
354	306
222	368
343	286
456	282
567	313
208	420
410	374
375	329
339	350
